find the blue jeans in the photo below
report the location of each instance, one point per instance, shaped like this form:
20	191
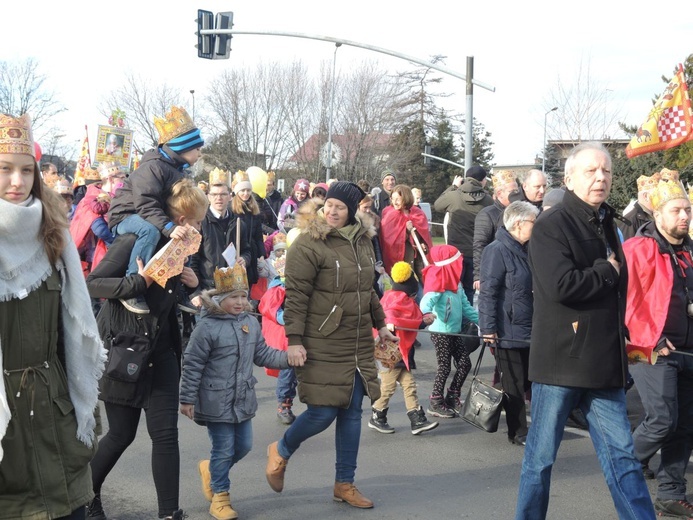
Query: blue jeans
230	443
609	428
148	237
347	433
666	390
286	384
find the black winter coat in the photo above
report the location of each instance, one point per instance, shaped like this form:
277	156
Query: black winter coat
269	208
486	223
108	280
505	295
217	234
146	189
579	298
636	218
252	243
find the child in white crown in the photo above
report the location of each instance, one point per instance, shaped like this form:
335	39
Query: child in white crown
218	386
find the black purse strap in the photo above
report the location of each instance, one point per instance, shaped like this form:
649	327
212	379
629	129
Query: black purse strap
478	360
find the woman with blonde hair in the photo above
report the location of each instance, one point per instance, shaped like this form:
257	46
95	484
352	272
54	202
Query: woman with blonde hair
149	348
51	356
245	210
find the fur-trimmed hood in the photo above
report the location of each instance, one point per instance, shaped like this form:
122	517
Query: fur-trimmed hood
209	306
310	219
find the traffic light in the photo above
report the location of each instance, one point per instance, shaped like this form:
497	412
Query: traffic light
222	42
205	21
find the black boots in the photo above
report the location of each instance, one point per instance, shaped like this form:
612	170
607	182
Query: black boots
379	421
419	423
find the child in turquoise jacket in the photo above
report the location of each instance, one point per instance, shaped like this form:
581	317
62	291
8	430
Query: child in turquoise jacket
444	297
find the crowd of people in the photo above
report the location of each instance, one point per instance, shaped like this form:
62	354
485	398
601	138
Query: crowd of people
555	282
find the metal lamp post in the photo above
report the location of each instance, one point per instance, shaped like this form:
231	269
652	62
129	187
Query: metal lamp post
329	124
543	154
192	93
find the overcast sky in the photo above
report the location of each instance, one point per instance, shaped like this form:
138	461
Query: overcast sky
520	48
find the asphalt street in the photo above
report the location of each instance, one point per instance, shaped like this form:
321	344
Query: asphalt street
454	471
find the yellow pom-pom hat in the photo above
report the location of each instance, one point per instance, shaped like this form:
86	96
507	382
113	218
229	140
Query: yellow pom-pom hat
404	279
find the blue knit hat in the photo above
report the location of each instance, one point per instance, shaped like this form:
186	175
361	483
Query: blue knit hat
186	142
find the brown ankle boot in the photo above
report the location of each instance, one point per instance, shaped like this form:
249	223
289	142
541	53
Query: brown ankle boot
221	507
206	478
347	492
276	467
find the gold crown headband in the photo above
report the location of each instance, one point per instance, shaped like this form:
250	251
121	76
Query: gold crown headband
666	191
176	122
230	279
218	176
16	135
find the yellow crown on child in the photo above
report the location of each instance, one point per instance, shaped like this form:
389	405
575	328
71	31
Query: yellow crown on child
91	175
503	178
108	169
218	177
646	183
16	135
176	122
666	191
271	176
230	279
241	181
279	241
63	187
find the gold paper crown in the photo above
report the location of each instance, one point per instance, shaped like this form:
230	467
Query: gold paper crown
230	279
204	186
503	178
669	175
279	238
646	183
666	191
50	179
63	187
218	176
91	175
238	177
176	122
16	136
690	194
271	176
107	169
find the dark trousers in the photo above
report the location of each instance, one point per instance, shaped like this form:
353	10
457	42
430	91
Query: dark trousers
513	364
666	391
78	514
468	279
162	425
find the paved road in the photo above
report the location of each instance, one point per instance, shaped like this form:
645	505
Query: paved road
454	471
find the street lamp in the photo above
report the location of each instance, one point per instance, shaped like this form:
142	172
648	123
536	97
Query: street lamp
192	93
543	154
329	124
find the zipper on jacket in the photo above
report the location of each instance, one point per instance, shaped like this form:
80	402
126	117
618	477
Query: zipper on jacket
337	262
328	317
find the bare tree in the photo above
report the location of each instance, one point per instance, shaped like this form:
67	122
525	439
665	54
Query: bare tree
23	90
586	108
142	101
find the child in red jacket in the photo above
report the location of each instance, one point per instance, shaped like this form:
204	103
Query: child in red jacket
401	310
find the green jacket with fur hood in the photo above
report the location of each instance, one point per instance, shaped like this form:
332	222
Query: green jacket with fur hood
331	308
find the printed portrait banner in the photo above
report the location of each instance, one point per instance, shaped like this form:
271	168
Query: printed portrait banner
114	144
669	122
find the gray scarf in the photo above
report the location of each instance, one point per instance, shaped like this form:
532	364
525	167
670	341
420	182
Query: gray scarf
24	266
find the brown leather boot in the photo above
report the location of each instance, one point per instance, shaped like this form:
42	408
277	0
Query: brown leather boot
276	467
206	478
221	507
347	492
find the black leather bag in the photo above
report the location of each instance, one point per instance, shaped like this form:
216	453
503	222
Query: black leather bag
482	407
128	357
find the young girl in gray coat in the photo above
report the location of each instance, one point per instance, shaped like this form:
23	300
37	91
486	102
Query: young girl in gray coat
218	386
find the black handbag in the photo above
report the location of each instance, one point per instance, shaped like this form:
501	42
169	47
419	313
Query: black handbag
128	357
482	407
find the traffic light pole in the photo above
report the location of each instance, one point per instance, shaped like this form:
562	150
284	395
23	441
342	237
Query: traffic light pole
468	78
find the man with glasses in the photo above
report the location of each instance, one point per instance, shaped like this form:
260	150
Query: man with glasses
577	356
217	233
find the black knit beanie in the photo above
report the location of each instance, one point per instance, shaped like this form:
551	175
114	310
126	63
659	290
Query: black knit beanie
348	193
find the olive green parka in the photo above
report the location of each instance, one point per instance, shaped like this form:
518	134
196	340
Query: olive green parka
331	308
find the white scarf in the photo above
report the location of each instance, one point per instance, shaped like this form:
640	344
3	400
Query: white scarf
24	266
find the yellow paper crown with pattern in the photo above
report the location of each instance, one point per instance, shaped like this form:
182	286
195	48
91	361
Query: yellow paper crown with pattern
230	279
690	194
241	177
669	175
279	241
503	178
16	135
218	177
646	183
271	176
666	191
107	169
176	122
91	175
63	187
